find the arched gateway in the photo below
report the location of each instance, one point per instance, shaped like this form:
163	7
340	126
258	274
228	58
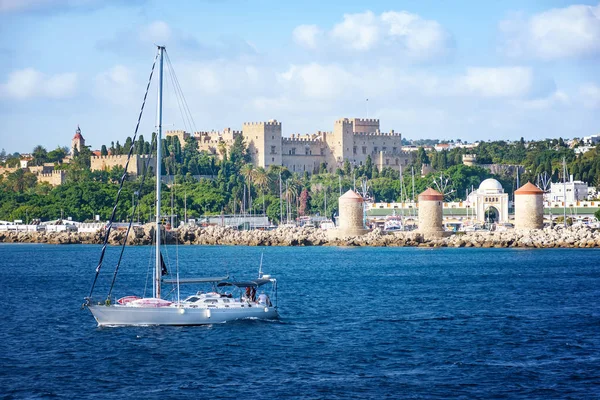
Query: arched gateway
490	202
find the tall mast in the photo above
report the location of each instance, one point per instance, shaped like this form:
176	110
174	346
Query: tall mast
400	181
564	193
280	201
157	265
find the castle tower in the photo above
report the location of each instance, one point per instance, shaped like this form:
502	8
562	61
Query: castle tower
340	142
78	142
430	211
264	142
529	207
469	159
362	125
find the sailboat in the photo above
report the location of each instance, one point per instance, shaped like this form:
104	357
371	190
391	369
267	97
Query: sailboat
200	308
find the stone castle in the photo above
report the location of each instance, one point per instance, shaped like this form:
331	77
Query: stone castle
352	139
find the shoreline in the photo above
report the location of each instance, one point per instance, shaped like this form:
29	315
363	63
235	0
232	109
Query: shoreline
556	237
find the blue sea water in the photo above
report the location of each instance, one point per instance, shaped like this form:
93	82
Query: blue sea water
355	323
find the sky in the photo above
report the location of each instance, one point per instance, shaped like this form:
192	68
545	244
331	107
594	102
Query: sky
468	70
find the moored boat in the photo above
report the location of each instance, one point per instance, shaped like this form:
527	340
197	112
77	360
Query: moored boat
215	306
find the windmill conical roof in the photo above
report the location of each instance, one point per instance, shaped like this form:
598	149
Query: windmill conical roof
351	194
431	194
529	188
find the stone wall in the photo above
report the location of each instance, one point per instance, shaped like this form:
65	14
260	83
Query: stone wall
430	216
54	178
529	211
135	168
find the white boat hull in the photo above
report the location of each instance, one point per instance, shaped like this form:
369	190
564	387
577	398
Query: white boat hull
138	316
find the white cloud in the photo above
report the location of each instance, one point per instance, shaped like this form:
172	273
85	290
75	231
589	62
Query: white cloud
317	81
497	82
421	37
118	86
405	35
157	32
358	31
307	35
30	83
573	31
590	95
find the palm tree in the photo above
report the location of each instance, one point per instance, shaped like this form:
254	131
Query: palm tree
261	180
247	171
291	192
40	155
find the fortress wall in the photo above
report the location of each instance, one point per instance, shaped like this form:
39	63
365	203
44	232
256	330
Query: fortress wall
180	134
300	163
393	160
54	178
106	163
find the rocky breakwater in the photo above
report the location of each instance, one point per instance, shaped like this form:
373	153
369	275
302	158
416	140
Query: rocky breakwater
214	235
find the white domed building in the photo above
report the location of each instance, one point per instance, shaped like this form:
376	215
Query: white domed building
489	202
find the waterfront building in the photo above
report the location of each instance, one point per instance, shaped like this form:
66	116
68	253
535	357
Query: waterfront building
489	202
570	191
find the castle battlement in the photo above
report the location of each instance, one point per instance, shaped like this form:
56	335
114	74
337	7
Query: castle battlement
343	121
302	139
378	133
56	172
216	133
175	132
272	122
396	153
119	157
371	120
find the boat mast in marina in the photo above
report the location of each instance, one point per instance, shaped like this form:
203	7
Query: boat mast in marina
157	266
564	193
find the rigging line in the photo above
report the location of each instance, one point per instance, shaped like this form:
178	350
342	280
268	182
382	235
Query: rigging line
114	211
179	105
134	208
182	96
179	93
149	269
184	115
187	115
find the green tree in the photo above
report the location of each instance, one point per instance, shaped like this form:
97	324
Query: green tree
40	155
347	167
58	154
20	180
